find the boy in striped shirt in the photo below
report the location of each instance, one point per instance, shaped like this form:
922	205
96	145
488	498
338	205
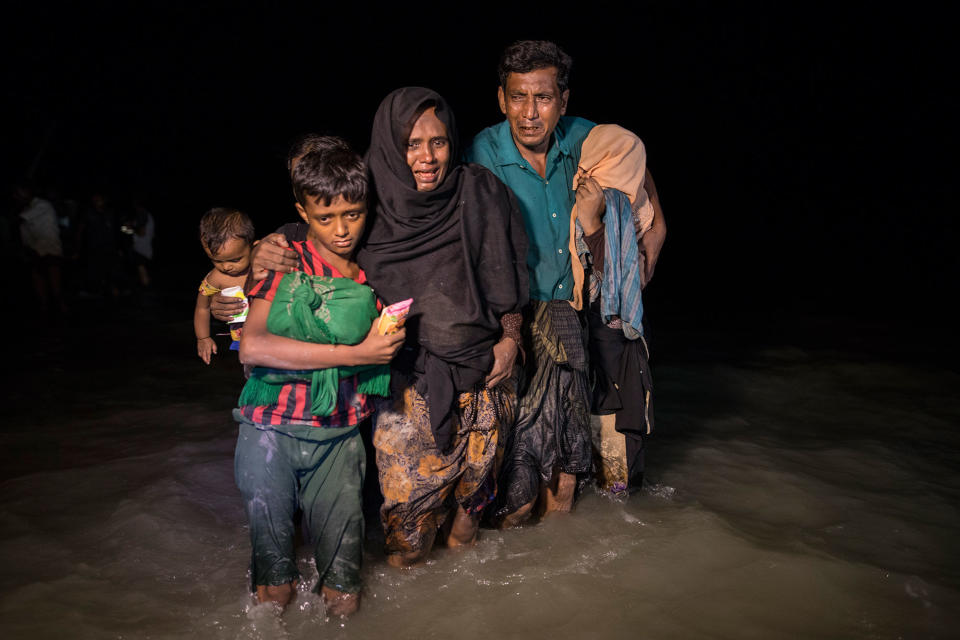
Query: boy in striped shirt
287	456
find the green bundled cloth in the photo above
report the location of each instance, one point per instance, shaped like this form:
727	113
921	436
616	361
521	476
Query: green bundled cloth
325	311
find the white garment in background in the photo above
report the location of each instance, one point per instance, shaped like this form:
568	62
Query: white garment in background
40	229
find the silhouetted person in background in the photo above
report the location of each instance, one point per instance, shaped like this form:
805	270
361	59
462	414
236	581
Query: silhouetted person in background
143	232
98	247
40	236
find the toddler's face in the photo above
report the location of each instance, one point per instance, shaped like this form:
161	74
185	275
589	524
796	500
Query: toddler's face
232	259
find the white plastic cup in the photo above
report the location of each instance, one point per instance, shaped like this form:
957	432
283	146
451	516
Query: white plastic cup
237	292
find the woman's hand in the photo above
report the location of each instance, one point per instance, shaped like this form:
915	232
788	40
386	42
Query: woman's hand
272	254
223	308
377	349
591	205
504	356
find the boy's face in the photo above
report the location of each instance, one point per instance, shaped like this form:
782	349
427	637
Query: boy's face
334	228
232	259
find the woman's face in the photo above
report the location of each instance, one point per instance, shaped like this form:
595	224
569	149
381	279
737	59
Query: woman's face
428	151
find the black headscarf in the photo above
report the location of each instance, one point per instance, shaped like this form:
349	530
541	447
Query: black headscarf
459	251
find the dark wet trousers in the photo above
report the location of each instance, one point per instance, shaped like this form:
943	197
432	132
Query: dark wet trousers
623	386
318	470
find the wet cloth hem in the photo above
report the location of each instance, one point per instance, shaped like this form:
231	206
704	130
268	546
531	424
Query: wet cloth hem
341	586
272	581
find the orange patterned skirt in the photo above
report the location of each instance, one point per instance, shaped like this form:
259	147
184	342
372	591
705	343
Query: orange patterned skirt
420	484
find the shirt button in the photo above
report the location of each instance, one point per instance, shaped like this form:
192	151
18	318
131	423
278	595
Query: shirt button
559	250
554	215
559	286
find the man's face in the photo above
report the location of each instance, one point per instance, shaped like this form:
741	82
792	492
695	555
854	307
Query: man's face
334	228
428	151
533	105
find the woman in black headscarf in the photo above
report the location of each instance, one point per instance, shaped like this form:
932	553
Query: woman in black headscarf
450	236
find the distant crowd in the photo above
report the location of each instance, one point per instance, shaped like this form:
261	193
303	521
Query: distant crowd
71	248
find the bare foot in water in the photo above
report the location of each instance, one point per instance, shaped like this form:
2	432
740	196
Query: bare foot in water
339	603
406	559
463	532
519	517
280	594
558	497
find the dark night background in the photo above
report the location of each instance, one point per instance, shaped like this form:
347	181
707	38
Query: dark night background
804	473
802	153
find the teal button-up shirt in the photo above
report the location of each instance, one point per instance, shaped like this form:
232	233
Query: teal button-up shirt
544	202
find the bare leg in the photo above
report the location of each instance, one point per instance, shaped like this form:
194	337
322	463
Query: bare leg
281	594
558	497
463	533
40	286
56	290
339	603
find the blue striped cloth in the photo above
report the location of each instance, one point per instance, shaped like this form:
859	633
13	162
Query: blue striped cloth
620	293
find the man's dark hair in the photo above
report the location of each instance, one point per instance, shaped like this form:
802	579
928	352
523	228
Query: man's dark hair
328	174
313	142
525	56
220	224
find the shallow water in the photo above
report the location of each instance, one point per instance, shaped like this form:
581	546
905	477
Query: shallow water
792	492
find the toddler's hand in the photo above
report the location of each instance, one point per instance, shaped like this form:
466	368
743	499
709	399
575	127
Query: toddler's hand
205	348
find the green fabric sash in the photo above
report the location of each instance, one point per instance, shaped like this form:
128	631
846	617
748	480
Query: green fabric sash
321	310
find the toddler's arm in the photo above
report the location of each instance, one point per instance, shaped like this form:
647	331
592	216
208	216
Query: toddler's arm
206	345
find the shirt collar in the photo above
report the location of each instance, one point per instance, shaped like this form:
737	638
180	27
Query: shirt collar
334	272
511	155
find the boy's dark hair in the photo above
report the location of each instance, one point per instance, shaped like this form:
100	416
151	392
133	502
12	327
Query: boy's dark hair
314	142
328	174
525	56
220	224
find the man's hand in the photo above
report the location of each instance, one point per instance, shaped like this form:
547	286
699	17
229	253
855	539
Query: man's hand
223	308
377	349
272	254
591	205
205	348
504	356
652	242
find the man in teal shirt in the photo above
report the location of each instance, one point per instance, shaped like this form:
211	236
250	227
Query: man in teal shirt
535	152
545	198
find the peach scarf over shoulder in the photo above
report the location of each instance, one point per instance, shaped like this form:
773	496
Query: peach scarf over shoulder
617	159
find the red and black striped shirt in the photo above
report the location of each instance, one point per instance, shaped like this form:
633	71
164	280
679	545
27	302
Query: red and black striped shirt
294	404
